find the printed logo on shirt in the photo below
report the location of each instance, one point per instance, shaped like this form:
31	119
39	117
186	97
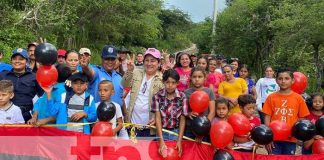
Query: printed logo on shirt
8	118
284	111
184	79
271	88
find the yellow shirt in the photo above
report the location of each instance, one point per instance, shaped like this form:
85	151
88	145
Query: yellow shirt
233	90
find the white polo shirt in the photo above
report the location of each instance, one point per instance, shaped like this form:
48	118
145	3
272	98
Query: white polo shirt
11	115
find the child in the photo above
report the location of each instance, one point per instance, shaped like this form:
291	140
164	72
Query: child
315	114
287	106
170	108
198	77
106	90
222	109
203	63
247	105
40	111
75	107
9	113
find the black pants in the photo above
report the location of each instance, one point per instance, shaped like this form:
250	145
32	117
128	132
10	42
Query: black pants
26	112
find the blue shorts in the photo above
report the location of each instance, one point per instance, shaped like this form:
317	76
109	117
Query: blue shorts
284	148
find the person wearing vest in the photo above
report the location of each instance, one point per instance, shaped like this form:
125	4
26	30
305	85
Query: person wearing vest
144	84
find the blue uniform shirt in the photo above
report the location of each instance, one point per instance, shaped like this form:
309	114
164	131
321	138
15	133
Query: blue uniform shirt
25	87
115	78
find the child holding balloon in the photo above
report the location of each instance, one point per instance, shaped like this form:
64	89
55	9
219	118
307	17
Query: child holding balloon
106	90
197	78
316	112
287	106
248	108
170	108
40	111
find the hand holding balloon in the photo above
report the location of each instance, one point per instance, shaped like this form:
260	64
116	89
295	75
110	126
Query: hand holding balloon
163	149
192	115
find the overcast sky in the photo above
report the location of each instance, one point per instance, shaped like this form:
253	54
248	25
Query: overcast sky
197	9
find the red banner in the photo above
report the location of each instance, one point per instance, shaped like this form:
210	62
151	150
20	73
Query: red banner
50	143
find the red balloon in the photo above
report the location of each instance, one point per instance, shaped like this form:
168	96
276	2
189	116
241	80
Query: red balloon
240	124
172	154
281	130
199	101
221	134
300	83
318	146
46	76
102	129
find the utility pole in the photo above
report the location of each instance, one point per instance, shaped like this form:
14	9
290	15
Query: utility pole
214	26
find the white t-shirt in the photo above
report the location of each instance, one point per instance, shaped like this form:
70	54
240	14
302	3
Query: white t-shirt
141	110
264	87
11	115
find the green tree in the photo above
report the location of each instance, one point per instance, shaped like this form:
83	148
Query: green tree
300	31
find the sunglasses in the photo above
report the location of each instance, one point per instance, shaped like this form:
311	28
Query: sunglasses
234	59
144	87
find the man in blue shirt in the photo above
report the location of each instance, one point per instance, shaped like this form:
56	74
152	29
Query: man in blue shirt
104	72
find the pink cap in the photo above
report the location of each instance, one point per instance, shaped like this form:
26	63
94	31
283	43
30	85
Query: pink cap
61	52
154	52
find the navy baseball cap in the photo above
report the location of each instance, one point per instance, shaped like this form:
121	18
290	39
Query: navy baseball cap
21	52
79	76
109	51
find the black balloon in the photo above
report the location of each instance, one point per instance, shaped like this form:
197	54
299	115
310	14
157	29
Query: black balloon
106	111
46	54
262	135
222	155
304	130
200	126
320	126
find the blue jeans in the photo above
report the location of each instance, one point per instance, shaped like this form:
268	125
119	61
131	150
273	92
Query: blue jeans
170	137
284	148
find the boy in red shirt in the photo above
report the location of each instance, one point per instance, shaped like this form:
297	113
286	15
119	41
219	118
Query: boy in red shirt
248	107
287	106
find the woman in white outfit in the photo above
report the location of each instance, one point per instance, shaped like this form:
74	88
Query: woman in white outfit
264	87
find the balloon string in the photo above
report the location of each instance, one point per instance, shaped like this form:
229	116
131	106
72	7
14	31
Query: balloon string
254	151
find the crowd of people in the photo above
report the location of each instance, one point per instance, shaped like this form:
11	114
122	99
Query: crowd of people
152	89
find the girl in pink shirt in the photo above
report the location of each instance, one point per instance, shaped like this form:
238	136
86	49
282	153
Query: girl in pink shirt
183	66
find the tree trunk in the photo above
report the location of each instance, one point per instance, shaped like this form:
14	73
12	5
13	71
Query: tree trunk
319	67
